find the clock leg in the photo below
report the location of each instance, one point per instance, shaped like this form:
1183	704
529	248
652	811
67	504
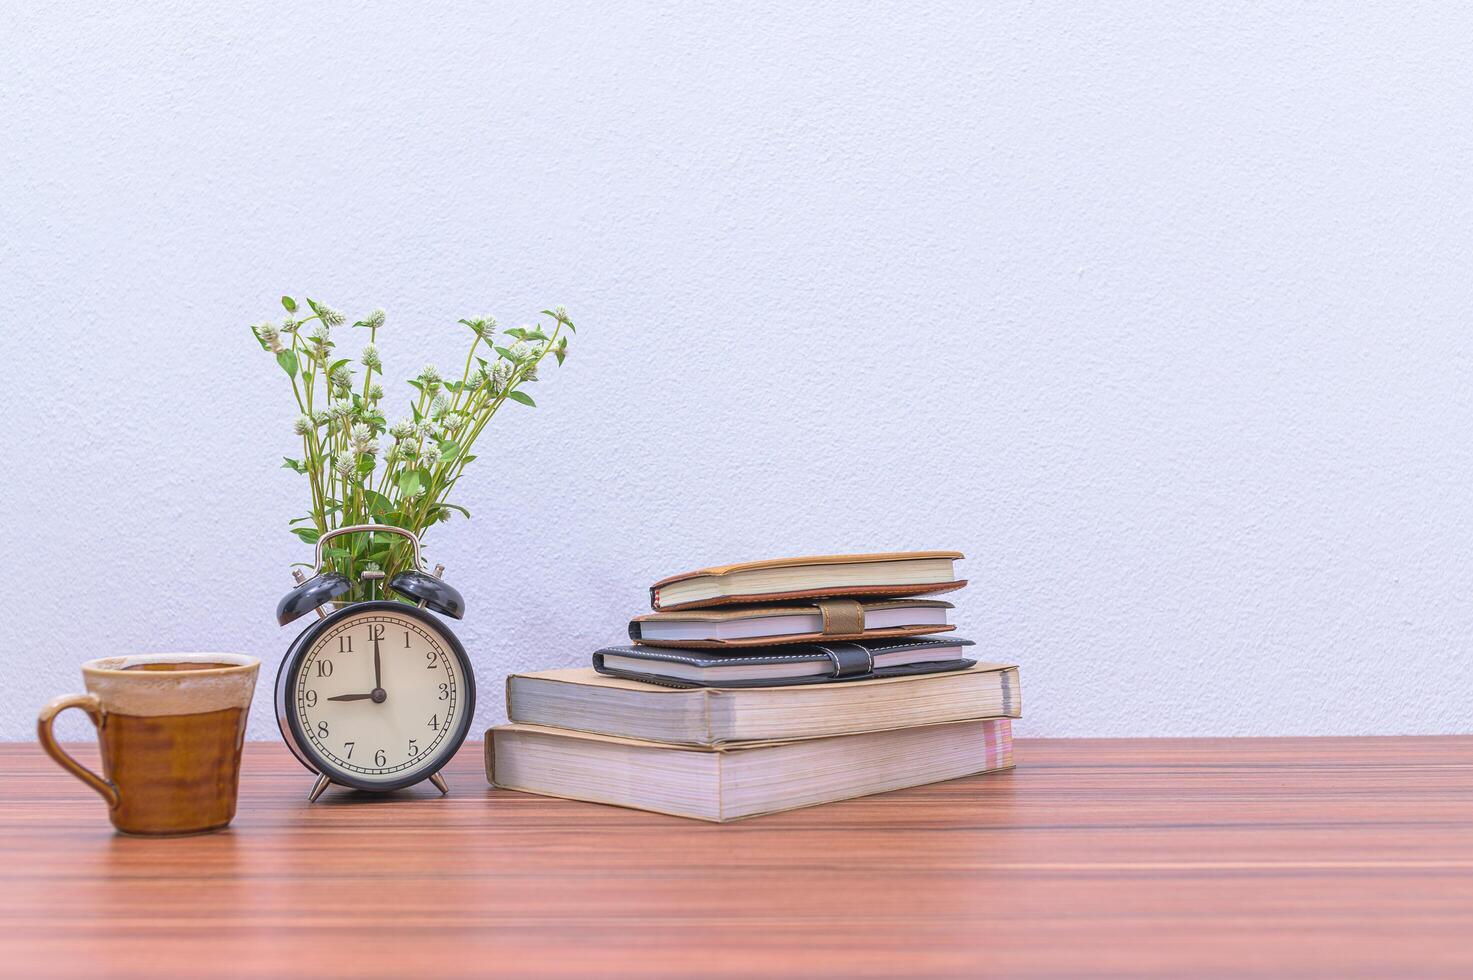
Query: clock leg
322	783
439	782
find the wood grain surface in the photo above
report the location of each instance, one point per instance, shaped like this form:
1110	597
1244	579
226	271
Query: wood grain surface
1282	857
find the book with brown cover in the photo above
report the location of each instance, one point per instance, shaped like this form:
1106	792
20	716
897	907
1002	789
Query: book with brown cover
879	575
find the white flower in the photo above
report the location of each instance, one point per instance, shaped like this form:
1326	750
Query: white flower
330	316
375	391
530	371
321	417
289	325
430	376
427	429
303	425
374	320
439	405
371	358
341	377
520	350
344	463
340	410
269	337
429	454
561	314
500	375
402	429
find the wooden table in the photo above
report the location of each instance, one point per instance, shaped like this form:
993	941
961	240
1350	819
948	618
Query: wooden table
1172	857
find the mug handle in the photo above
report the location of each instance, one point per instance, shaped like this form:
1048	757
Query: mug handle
90	704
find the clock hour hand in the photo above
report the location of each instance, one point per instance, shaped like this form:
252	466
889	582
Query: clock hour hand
352	697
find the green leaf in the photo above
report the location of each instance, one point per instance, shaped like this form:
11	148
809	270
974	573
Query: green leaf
521	396
504	352
517	332
449	449
307	534
459	508
536	335
469	459
366	463
257	334
377	502
338	363
560	353
410	482
288	362
289	303
295	465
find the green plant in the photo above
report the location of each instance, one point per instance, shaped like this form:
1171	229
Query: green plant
359	468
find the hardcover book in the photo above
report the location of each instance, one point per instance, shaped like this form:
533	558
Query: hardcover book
580	698
887	574
736	627
721	784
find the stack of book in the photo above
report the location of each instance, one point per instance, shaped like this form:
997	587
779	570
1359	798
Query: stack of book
766	686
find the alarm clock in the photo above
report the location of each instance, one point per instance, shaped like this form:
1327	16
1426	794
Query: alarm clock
374	695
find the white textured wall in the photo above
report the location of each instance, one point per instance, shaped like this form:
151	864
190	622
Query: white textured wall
1161	314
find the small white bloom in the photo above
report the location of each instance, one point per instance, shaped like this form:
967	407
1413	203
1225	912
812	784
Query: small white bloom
269	337
344	463
430	376
330	316
341	378
374	320
402	429
375	391
303	425
371	358
500	375
340	410
439	405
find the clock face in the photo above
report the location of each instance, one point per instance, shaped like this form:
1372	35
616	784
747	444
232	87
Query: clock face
379	697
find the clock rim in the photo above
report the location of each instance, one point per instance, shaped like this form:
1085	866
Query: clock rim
290	725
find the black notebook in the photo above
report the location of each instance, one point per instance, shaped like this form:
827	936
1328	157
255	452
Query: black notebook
806	663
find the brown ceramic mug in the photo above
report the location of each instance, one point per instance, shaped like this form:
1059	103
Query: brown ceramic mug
170	726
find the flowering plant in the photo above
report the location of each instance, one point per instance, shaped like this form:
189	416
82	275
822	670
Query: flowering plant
359	468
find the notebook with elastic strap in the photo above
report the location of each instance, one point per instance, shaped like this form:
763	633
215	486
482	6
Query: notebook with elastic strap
807	663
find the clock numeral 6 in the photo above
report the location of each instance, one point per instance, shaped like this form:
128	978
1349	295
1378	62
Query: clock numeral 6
444	692
324	668
379	758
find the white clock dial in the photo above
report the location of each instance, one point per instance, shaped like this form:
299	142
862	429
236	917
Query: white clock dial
385	720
